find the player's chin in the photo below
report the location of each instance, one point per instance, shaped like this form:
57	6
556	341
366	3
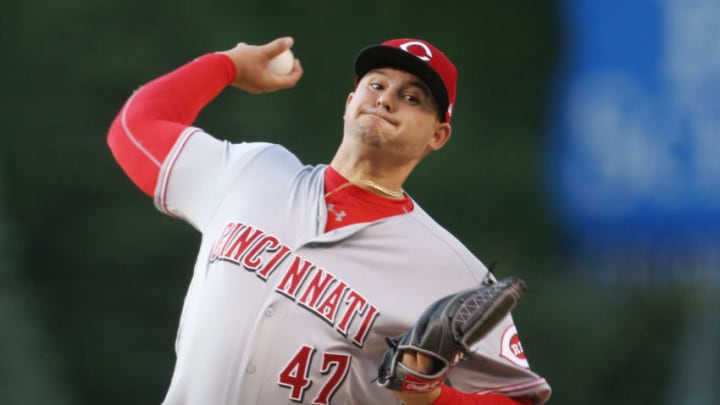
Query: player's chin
379	142
369	132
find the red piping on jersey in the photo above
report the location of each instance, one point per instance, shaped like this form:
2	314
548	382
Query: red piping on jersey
515	387
166	179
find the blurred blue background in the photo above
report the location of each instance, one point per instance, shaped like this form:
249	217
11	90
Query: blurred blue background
635	137
584	159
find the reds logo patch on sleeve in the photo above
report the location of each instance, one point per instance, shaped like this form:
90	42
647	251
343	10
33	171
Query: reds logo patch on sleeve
511	348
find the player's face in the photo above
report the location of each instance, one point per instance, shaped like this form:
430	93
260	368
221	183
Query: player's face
394	112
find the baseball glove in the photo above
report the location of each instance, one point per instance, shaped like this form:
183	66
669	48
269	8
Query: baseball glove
447	330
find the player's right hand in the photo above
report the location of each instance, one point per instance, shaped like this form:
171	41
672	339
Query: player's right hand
251	66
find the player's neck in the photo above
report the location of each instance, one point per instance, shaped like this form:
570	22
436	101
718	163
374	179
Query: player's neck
376	183
375	176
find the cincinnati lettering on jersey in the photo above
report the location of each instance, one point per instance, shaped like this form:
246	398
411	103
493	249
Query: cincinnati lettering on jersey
308	285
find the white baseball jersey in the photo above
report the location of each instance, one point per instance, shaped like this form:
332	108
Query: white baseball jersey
279	312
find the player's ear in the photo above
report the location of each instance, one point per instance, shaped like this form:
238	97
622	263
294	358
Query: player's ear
347	102
440	136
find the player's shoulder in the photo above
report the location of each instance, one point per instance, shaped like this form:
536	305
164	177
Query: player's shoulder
266	150
432	229
429	233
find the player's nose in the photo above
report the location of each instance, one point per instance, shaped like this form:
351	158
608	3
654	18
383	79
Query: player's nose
385	100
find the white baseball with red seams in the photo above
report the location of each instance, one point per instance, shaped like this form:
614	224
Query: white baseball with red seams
282	64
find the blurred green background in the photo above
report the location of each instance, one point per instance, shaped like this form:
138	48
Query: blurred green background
92	277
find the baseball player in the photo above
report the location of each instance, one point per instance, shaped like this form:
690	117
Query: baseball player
304	271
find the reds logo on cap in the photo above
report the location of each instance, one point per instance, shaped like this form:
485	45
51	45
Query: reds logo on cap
413	46
418	57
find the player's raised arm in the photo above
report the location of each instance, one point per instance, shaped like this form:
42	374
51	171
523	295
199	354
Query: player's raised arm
154	117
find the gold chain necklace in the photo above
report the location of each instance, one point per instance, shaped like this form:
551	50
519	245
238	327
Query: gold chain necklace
384	190
371	184
338	188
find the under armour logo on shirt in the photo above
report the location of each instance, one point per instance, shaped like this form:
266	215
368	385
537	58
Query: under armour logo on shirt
339	216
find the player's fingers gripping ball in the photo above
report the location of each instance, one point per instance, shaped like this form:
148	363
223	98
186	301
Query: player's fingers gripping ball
447	329
282	64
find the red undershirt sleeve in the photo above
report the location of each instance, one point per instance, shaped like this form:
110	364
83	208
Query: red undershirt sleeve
153	118
451	396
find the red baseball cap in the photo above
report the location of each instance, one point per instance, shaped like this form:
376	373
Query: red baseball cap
418	57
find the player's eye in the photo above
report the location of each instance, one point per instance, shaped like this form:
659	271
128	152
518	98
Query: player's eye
376	86
412	99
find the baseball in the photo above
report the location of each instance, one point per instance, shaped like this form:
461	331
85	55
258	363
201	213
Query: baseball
282	64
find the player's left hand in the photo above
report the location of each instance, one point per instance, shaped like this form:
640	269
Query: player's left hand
423	364
418	361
